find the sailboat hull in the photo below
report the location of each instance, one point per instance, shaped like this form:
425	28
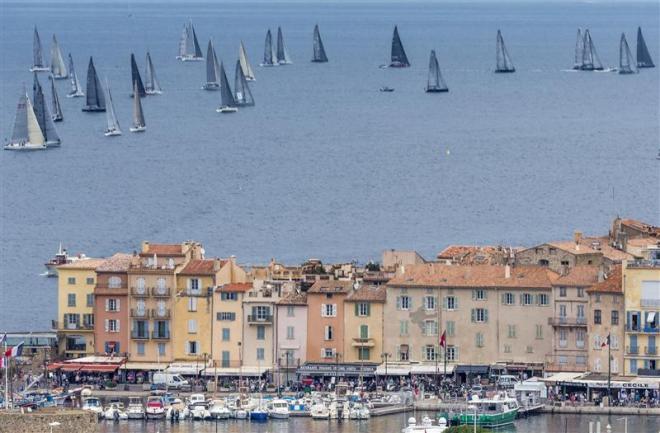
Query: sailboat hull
93	109
190	58
57	118
626	72
226	110
75	95
431	90
505	71
60	77
138	128
39	69
211	86
112	133
153	92
25	146
398	65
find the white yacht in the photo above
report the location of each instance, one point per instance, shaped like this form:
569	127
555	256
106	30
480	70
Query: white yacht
278	409
92	404
218	409
135	409
426	426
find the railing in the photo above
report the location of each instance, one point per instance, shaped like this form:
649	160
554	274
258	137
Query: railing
259	319
644	264
76	347
646	329
141	292
160	293
567	321
633	350
363	342
650	350
139	335
138	313
160	335
649	302
160	314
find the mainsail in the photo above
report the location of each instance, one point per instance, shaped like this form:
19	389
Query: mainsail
245	65
57	65
136	78
43	115
579	50
626	62
504	63
26	128
226	96
95	97
282	54
188	45
319	50
269	55
57	110
643	56
138	115
398	57
76	89
151	85
435	82
111	117
198	50
243	95
212	69
590	60
37	55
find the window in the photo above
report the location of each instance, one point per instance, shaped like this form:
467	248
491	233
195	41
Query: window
192	304
226	359
290	332
290	311
580	335
553	251
563	335
364	354
261	312
633	366
539	332
429	303
450	328
429	353
543	299
113	325
327	334
193	286
479	339
192	326
527	299
261	332
112	304
328	353
507	348
161	285
479	295
71	299
71	280
562	312
226	334
403	302
88	320
615	317
328	310
452	353
544	262
89	280
581	360
564	263
114	282
192	348
225	316
161	349
563	359
529	349
451	303
403	352
580	292
403	328
614	342
580	314
597	318
430	328
479	315
364	332
597	298
140	348
363	309
141	285
512	331
229	296
508	299
562	292
597	342
90	299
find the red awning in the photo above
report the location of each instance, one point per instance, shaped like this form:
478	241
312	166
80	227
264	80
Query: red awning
99	368
69	367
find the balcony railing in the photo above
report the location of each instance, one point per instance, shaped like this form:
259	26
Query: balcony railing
139	335
567	321
157	292
160	314
76	347
645	264
649	302
142	292
650	350
645	329
139	313
260	319
363	342
160	335
632	350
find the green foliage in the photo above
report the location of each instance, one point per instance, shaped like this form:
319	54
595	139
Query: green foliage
466	429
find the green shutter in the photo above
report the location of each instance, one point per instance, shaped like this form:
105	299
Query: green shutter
485	315
357	309
368	309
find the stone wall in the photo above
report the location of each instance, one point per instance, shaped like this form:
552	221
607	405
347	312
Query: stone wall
37	422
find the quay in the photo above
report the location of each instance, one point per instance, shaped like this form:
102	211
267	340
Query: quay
71	420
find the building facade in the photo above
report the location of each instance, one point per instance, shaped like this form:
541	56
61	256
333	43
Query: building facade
111	305
325	320
228	326
363	324
259	325
291	335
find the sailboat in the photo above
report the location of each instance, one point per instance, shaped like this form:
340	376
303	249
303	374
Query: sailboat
113	128
43	115
189	50
245	65
590	60
57	65
151	84
398	55
76	90
435	83
212	69
37	55
643	56
26	134
136	78
138	116
242	94
503	60
319	50
227	97
579	49
95	97
282	53
626	62
57	110
270	57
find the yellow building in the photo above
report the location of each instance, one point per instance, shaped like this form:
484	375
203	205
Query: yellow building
75	307
363	324
641	285
228	327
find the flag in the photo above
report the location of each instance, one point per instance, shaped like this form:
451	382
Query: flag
443	340
15	351
3	362
606	342
3	339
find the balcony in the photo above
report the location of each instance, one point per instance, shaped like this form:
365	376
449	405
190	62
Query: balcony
643	264
363	342
260	319
142	292
139	313
650	350
139	335
160	292
645	329
567	321
104	289
76	347
155	335
632	350
653	303
160	314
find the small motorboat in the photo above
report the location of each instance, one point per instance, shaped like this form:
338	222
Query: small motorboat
218	410
278	409
115	412
226	109
135	409
386	89
426	426
320	411
92	404
155	407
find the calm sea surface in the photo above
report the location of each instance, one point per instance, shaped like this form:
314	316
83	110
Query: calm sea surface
325	165
385	424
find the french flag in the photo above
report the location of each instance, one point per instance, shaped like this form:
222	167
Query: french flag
14	351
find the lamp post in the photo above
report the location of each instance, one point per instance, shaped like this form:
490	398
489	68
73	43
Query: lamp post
337	356
384	356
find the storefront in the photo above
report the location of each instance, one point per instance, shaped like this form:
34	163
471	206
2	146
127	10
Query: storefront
470	373
342	370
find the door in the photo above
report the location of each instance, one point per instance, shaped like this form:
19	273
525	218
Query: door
225	359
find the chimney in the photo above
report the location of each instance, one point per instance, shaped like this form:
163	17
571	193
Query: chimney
145	246
601	273
507	271
577	237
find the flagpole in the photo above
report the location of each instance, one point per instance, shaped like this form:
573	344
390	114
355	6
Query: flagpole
609	369
6	362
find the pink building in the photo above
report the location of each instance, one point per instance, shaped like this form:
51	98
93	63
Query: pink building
291	335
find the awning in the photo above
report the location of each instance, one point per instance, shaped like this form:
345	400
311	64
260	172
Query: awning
562	377
143	366
472	369
99	368
234	371
431	369
97	360
393	370
187	368
341	370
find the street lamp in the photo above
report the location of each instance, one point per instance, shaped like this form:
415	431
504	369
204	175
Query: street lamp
384	356
337	356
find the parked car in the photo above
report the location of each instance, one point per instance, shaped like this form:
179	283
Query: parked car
507	381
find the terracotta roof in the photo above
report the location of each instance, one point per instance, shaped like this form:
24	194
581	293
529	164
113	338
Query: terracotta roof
88	263
579	276
163	250
293	298
613	283
331	286
643	242
119	262
368	293
200	267
234	287
642	226
590	245
475	254
440	275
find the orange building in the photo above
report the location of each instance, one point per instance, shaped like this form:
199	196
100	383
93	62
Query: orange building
111	304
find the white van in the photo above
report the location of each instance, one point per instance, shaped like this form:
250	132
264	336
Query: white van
507	381
170	380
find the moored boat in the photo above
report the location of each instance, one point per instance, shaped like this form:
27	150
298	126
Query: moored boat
135	408
155	408
426	426
490	413
278	409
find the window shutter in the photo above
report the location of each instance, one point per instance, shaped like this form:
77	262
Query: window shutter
107	304
444	302
368	309
503	298
334	310
322	353
485	314
107	325
473	314
410	303
456	303
322	310
522	299
485	294
118	305
118	322
357	306
398	353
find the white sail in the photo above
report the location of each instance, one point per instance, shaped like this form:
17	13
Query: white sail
26	134
57	65
151	85
76	90
35	135
138	116
113	124
245	64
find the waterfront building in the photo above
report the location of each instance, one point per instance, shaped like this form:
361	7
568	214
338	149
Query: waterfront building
75	292
259	325
393	259
291	335
606	318
363	324
111	311
228	327
641	285
569	321
625	230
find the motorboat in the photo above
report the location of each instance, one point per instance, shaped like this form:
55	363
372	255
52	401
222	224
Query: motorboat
200	413
115	412
92	404
319	411
426	426
177	410
226	109
135	409
155	407
61	258
278	409
259	413
197	400
218	410
359	411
